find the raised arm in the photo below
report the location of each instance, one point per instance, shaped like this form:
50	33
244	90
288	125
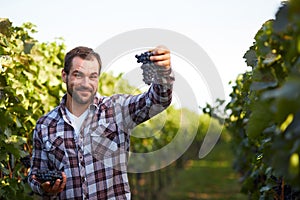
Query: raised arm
139	108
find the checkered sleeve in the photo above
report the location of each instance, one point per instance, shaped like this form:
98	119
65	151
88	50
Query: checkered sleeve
164	76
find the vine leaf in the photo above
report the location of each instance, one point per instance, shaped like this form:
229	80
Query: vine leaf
260	119
281	22
286	99
251	58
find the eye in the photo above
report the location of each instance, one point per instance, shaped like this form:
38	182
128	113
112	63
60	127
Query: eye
94	76
78	75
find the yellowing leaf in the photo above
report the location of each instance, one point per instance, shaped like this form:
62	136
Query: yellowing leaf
294	164
287	122
294	160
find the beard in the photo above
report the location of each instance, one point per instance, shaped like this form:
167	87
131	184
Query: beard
74	92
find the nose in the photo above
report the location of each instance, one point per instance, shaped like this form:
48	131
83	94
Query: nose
85	81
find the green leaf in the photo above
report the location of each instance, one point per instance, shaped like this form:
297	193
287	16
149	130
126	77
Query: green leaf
251	58
3	155
282	21
290	90
263	85
27	47
286	99
260	119
5	25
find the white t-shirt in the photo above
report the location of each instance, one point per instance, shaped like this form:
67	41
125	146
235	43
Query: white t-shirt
77	121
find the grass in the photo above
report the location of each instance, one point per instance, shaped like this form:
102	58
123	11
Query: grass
211	178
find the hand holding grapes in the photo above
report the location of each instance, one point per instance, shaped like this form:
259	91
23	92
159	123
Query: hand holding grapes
152	62
54	188
161	57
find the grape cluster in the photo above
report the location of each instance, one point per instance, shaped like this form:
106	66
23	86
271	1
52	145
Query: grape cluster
48	175
148	67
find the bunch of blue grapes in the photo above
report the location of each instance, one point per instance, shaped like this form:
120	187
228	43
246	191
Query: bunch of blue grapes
148	67
48	175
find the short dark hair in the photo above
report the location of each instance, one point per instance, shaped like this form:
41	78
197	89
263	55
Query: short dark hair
82	52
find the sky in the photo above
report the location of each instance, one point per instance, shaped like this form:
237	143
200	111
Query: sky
223	29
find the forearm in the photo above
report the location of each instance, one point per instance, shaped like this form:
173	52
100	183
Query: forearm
161	90
165	77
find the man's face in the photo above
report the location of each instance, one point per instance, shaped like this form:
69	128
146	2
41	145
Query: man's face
82	80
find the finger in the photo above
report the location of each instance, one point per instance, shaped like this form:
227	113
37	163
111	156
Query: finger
164	63
56	186
64	177
64	181
160	57
46	186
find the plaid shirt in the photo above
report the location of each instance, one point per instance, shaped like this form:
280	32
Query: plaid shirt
95	162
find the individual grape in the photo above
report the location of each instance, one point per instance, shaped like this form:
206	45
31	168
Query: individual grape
144	57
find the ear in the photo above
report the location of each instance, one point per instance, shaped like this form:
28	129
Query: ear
64	76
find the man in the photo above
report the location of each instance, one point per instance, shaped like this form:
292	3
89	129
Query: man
87	136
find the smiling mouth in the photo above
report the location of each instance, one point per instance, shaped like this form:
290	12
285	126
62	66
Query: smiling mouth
84	92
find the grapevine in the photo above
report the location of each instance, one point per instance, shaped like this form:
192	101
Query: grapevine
265	110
